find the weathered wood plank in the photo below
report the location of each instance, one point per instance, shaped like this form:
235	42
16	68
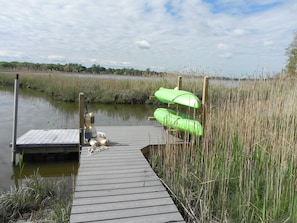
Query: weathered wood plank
117	186
93	172
116	180
115	197
111	194
82	178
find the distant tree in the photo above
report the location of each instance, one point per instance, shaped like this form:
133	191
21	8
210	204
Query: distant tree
147	71
291	53
102	69
95	69
5	65
82	68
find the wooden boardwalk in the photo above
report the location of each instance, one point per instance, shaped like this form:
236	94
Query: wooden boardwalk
48	141
117	184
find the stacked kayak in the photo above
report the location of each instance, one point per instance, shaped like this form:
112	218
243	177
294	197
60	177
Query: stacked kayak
171	118
180	97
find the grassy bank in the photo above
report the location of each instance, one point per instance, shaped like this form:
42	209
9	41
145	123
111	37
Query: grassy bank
36	200
244	169
97	90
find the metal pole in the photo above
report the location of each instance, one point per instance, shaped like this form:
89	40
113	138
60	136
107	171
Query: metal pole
15	117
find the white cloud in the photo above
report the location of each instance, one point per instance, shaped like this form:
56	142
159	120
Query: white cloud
226	55
143	44
222	46
268	43
239	32
55	57
116	63
11	54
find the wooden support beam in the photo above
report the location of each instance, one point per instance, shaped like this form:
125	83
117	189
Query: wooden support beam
204	101
179	83
152	98
172	105
81	120
15	118
172	131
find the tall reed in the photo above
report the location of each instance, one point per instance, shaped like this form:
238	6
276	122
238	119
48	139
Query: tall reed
244	168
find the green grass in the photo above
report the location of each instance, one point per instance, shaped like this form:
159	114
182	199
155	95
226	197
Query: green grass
37	199
244	169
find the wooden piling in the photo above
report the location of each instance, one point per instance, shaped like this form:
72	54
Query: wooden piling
204	101
15	117
179	83
81	119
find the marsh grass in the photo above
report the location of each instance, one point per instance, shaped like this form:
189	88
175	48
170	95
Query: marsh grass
37	199
97	90
244	169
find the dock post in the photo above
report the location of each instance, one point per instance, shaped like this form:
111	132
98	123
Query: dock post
204	101
15	117
81	120
179	82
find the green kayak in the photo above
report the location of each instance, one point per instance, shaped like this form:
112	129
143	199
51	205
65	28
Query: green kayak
180	97
169	118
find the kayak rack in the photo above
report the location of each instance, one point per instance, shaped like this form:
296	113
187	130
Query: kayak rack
175	98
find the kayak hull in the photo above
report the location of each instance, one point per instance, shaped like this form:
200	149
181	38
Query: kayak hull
180	97
171	119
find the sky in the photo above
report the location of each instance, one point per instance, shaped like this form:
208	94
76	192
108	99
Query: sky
233	38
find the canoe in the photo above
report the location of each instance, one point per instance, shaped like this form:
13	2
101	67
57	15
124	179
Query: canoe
180	97
169	118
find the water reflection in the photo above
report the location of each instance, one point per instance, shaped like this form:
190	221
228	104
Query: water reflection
122	114
49	167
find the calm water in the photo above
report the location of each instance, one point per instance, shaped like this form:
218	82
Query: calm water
38	112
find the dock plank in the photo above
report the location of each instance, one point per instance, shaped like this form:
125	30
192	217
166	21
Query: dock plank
81	196
118	184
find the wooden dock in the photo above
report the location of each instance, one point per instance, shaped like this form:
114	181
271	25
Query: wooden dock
48	141
117	184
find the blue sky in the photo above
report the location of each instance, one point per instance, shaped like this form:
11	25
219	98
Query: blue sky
245	7
233	38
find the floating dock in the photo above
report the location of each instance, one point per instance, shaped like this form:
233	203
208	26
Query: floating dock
38	141
117	184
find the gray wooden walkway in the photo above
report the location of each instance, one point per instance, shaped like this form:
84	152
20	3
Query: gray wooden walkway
117	183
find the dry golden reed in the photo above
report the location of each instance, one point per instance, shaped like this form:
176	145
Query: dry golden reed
244	169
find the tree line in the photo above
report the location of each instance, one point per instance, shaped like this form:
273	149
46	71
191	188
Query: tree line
73	68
